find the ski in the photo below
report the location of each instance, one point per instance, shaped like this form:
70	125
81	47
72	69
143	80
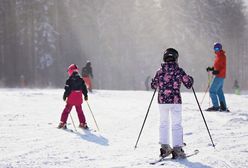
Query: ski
85	130
66	129
88	130
227	111
69	130
187	155
196	151
161	160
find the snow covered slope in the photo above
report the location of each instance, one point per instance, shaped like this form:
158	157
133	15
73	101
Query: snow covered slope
29	137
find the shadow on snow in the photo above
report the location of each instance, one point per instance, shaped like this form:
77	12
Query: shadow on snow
187	163
98	139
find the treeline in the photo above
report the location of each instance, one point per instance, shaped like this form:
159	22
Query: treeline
124	39
37	43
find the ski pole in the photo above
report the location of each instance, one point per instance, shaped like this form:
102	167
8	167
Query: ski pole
204	94
145	119
203	117
209	81
73	123
92	115
210	78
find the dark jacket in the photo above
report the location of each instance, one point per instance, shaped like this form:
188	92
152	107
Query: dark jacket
74	88
87	71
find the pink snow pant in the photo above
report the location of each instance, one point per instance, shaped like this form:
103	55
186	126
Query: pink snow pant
67	110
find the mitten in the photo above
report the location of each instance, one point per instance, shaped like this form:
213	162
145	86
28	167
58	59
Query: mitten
209	69
215	72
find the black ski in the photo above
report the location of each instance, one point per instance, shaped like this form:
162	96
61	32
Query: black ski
161	161
66	129
85	130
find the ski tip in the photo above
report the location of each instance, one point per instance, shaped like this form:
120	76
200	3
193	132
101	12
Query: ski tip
196	151
89	130
65	129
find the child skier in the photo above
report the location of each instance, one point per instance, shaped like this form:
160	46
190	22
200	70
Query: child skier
168	81
74	88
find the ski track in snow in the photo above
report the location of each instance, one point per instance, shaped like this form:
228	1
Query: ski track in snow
29	137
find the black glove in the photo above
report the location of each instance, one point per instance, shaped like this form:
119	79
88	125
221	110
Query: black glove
85	98
215	72
209	69
64	97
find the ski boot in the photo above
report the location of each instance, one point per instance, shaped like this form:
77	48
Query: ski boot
213	109
178	153
62	125
165	150
84	126
223	107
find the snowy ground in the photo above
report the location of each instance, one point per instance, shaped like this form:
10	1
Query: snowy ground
29	138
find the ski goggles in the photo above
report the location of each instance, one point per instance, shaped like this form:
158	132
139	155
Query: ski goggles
216	49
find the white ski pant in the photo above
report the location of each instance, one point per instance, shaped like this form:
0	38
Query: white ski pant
171	130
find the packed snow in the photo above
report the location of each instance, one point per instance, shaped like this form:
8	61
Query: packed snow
29	137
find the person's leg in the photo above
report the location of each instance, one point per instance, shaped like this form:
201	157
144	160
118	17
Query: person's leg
164	133
90	84
65	113
80	114
164	130
87	82
213	92
220	94
64	116
176	124
177	132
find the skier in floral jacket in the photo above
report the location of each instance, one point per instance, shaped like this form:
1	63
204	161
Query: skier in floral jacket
168	80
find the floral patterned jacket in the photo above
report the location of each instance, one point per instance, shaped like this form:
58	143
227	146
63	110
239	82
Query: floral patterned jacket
168	80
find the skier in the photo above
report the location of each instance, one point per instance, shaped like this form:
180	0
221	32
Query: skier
74	88
168	80
236	87
87	75
216	88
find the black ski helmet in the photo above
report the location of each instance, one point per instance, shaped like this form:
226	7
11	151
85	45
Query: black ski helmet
170	54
